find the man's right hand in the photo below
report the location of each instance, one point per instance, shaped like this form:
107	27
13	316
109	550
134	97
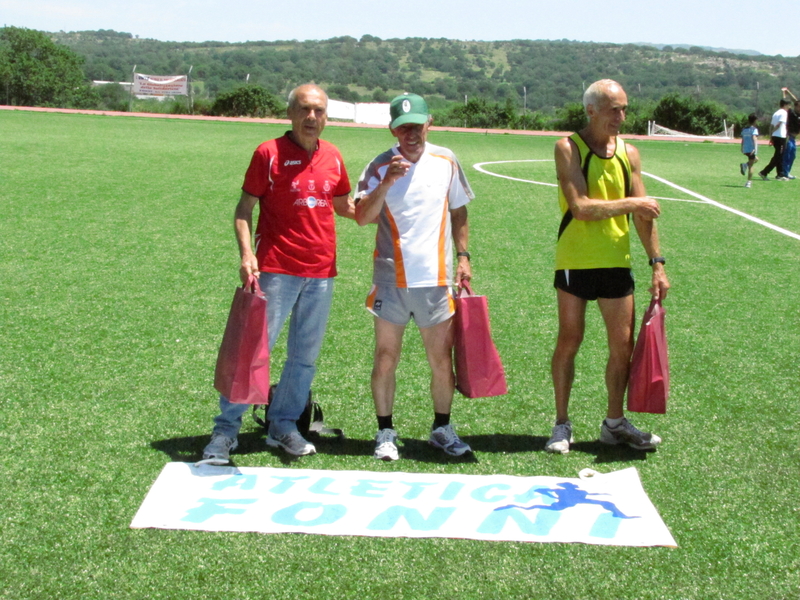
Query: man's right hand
249	267
398	167
648	208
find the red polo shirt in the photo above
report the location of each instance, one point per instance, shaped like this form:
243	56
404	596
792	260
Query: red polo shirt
296	234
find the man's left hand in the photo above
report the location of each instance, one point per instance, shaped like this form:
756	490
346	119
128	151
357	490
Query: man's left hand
660	282
464	270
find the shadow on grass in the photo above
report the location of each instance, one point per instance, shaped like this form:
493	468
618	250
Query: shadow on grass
190	449
605	453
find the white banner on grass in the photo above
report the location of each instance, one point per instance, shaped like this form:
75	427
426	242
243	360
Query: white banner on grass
160	85
610	509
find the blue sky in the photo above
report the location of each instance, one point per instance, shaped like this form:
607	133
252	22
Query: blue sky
715	23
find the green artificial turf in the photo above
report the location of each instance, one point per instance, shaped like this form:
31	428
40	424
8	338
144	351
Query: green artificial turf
117	267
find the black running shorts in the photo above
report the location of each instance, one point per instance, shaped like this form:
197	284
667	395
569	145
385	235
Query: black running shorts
591	284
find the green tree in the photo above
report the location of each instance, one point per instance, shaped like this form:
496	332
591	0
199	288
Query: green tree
113	96
687	115
248	101
35	71
572	117
481	114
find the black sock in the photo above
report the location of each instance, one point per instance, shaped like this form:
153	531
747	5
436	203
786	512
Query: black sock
385	422
440	420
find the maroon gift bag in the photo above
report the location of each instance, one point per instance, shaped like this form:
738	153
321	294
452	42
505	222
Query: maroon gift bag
648	386
479	372
242	373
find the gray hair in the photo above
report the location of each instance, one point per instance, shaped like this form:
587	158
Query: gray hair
597	91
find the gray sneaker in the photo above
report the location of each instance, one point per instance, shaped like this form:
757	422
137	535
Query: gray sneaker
386	445
293	443
626	433
218	451
560	439
445	438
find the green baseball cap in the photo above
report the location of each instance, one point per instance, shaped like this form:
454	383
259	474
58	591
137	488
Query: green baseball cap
408	108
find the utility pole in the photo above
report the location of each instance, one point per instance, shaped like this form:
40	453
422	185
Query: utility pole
189	86
524	106
758	88
133	84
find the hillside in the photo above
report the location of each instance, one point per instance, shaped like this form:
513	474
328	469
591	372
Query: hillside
537	75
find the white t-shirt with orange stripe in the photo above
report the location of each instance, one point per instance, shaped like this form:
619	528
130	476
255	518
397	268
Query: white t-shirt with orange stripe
414	246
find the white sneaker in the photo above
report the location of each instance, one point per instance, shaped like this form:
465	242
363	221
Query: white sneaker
293	443
626	433
218	451
560	439
445	438
386	445
748	184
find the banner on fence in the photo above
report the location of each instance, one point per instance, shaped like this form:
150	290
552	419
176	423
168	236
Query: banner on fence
610	509
160	85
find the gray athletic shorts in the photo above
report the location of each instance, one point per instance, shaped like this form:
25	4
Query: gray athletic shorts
428	306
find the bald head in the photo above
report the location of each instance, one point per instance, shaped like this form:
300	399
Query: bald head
599	92
301	90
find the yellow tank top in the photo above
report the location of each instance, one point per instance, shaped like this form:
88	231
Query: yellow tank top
597	244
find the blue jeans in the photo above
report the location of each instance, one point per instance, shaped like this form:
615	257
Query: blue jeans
309	302
789	152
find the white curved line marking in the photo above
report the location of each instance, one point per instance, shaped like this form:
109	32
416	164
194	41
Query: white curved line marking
479	167
700	198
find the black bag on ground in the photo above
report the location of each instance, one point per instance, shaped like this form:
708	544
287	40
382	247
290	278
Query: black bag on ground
311	421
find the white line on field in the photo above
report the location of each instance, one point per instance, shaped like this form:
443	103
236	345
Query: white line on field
700	198
479	167
723	207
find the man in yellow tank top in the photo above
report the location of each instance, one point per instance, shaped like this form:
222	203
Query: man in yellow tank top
600	186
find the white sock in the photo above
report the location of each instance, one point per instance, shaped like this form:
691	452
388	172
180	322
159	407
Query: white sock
613	423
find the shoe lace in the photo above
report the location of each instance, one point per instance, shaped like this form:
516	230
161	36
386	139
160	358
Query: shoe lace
384	436
630	429
222	440
446	435
561	432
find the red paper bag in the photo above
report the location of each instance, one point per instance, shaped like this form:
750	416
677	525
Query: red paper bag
479	372
242	373
648	386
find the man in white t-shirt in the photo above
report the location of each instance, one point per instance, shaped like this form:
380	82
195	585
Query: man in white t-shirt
417	194
778	141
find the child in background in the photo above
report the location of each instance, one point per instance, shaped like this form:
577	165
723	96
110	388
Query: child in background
749	148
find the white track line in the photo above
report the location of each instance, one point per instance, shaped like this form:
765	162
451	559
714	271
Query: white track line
700	198
723	207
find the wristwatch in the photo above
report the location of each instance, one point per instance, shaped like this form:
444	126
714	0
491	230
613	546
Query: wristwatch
465	253
658	259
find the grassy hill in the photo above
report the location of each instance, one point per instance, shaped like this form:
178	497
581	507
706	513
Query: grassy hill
538	75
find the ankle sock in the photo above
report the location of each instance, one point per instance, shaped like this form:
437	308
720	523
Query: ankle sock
613	423
385	422
440	420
